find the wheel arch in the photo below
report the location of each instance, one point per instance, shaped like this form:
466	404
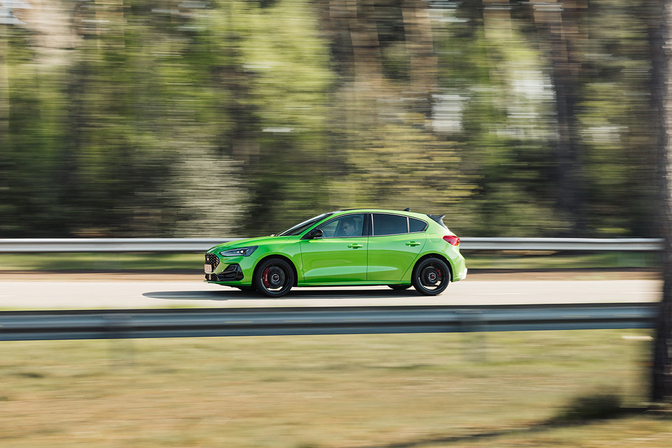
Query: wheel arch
281	257
435	255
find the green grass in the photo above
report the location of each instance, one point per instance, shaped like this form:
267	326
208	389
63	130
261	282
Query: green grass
101	262
422	390
194	261
541	260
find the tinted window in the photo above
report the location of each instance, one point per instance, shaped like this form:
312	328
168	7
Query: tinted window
389	224
297	229
343	227
416	225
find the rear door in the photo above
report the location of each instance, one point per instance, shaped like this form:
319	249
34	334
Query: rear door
392	248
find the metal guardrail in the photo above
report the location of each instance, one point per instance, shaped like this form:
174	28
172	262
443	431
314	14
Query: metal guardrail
42	245
109	244
112	324
578	244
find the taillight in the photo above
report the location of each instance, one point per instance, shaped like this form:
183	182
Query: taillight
452	240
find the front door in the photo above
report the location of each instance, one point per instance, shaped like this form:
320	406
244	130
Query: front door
339	256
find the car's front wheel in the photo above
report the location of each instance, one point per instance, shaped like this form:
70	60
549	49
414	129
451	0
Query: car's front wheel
274	277
431	276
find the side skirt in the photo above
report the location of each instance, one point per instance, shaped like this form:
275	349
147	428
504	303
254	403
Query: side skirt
362	283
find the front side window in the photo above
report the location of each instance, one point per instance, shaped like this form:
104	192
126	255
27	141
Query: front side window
343	227
297	229
389	224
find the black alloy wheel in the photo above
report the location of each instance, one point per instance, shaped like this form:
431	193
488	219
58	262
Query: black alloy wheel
431	276
274	277
399	287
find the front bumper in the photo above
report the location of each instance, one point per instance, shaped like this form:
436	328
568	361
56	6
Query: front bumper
233	272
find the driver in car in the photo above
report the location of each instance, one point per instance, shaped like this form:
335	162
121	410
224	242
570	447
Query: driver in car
349	227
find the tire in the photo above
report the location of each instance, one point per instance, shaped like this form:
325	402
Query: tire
399	287
274	277
431	276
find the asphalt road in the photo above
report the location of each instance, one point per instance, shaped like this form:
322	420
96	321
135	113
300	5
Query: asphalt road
68	294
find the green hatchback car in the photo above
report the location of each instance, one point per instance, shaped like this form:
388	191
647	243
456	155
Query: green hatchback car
344	248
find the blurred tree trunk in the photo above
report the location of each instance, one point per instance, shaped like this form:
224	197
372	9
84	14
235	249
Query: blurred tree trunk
68	177
498	31
351	27
559	24
365	45
4	84
659	40
497	15
6	153
423	61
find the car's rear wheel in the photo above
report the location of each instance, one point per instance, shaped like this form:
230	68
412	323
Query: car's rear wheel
431	276
399	287
274	277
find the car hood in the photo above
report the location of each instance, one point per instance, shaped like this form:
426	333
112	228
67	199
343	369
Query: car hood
249	242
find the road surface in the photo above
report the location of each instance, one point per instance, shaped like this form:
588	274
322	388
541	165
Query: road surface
52	293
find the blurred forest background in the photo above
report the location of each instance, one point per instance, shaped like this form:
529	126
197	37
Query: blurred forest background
141	118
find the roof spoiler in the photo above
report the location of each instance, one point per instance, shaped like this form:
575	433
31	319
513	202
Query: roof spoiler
438	219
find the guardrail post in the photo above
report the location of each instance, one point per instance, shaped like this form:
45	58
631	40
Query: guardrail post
122	349
637	369
475	348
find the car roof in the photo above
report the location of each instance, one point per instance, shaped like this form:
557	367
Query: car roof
376	210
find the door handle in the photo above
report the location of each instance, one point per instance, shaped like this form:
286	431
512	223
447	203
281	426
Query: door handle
412	243
355	246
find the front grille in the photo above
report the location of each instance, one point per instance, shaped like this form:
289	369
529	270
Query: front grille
212	259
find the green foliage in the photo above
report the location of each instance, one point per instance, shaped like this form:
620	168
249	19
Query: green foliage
241	117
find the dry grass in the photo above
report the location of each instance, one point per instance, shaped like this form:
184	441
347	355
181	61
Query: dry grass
431	390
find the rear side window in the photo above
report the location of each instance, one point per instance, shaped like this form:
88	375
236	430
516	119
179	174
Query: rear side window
416	225
389	224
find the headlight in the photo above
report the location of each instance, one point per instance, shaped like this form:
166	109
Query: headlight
239	251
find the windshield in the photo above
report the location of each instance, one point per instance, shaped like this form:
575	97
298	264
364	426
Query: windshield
297	229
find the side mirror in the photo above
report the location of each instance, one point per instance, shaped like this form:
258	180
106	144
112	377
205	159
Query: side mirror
315	233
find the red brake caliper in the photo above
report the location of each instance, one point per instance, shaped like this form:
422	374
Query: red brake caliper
265	278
